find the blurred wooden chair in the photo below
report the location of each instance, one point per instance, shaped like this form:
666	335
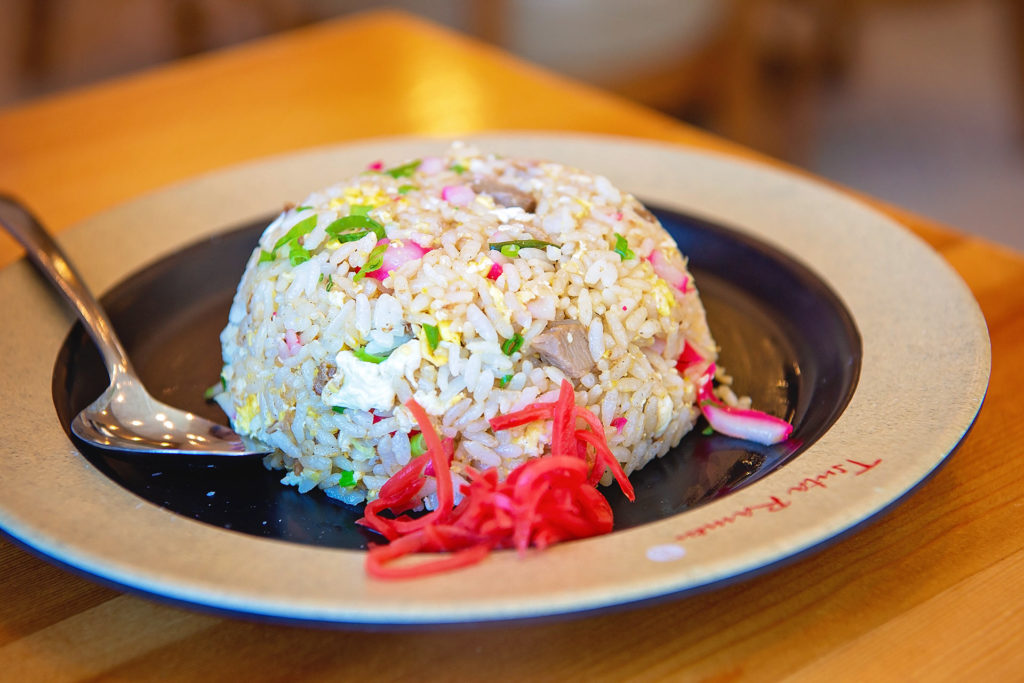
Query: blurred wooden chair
781	55
755	74
191	23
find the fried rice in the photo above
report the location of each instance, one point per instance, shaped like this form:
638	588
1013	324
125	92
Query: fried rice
474	284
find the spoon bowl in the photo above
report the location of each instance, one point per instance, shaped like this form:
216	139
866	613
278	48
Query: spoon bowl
125	418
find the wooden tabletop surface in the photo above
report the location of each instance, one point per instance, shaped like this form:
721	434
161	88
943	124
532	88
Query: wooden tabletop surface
932	590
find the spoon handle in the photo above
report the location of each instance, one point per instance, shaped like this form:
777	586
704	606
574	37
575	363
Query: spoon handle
50	259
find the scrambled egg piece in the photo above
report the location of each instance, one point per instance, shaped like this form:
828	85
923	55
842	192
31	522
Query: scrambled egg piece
481	266
431	401
439	356
663	297
498	297
447	334
530	439
363	385
584	210
365	195
249	409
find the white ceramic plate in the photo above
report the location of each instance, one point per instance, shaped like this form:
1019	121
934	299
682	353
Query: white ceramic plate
925	368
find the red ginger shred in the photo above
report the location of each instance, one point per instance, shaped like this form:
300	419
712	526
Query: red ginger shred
543	501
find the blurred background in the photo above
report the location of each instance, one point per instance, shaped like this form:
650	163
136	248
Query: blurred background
918	102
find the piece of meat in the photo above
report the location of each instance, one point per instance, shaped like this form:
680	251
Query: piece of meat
563	343
324	373
505	195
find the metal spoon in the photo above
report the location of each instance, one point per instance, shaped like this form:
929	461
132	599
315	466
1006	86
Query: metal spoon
125	417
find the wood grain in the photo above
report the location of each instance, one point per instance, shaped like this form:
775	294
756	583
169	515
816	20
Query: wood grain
929	591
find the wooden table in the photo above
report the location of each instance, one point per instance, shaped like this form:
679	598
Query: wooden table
932	590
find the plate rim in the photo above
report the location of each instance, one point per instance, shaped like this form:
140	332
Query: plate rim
757	199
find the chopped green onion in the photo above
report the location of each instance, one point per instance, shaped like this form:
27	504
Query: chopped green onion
405	189
330	284
348	478
265	256
405	170
503	382
512	344
362	355
216	388
355	222
417	445
302	208
708	431
512	247
352	236
340	410
359	209
373	262
297	254
433	336
458	168
301	228
622	248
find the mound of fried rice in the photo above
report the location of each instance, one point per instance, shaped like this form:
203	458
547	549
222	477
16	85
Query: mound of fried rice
466	328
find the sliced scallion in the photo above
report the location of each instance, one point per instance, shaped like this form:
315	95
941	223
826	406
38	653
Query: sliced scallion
301	228
355	223
503	382
297	254
405	170
433	336
511	248
622	248
348	479
405	189
340	410
330	284
352	236
458	168
512	344
417	445
374	261
265	256
362	355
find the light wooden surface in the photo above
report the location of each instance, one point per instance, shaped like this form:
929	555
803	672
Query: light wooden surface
931	590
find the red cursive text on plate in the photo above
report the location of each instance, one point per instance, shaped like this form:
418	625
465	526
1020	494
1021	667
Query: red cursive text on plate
778	503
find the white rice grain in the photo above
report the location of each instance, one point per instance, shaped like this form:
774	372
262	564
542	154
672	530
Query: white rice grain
480	323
